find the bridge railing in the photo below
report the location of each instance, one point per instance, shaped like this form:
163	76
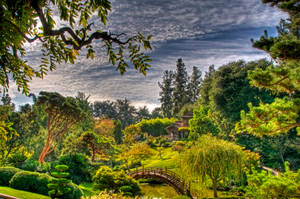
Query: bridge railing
163	172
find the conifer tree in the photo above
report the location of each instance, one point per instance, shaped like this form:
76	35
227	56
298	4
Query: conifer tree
126	112
118	134
206	85
166	94
282	77
180	87
194	85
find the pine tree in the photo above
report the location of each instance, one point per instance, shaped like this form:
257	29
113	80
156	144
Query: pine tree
282	77
194	85
166	94
126	112
118	134
206	85
180	87
143	113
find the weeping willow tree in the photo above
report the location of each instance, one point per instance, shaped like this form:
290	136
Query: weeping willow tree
215	159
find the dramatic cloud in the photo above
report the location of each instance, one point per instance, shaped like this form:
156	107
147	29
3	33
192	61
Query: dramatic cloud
202	32
179	19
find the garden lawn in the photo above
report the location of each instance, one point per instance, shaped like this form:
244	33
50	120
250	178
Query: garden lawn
21	194
88	190
170	159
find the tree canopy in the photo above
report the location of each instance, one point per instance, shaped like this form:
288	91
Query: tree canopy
281	77
226	91
214	158
63	113
178	89
31	21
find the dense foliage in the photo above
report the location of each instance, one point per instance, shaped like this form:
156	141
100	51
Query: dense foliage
227	91
63	113
106	179
281	77
78	167
265	185
201	123
216	159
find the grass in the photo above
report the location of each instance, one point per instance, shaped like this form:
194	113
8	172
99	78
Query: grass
21	194
87	189
169	160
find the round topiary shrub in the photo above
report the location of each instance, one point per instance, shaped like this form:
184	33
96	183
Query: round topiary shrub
61	187
6	173
30	181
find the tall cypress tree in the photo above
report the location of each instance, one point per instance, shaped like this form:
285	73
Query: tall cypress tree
166	94
180	96
194	85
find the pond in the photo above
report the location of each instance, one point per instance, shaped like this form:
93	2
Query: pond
157	191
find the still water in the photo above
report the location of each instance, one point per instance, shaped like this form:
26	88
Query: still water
157	191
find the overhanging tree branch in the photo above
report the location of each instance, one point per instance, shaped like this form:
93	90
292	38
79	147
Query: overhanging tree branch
61	43
80	42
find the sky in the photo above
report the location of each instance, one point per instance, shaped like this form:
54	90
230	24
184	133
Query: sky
201	32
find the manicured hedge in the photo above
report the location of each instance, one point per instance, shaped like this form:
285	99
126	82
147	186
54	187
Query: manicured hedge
37	183
6	173
30	181
156	127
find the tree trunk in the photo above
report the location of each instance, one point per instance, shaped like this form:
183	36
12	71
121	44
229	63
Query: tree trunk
43	153
215	189
93	154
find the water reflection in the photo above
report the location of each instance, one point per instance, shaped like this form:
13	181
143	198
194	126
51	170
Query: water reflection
157	191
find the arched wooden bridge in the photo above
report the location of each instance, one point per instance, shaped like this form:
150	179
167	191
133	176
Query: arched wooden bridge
165	175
